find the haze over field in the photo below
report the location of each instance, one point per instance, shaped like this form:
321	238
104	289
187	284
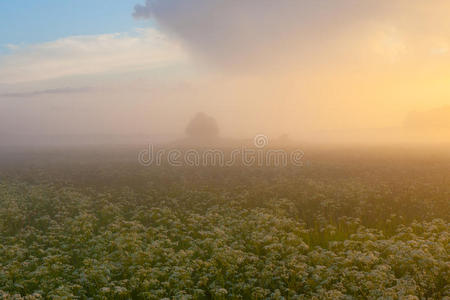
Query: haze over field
220	149
319	71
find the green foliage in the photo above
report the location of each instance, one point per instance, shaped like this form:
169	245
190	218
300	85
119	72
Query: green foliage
225	234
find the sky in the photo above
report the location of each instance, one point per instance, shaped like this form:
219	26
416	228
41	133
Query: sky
316	70
25	22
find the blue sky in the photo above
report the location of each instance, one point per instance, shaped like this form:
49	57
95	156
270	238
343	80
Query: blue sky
25	22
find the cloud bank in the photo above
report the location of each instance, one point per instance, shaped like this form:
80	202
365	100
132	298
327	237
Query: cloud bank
229	32
270	33
56	91
86	55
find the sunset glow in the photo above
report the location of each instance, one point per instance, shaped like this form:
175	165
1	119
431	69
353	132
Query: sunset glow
307	70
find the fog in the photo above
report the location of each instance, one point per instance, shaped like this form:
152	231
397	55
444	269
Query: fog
322	72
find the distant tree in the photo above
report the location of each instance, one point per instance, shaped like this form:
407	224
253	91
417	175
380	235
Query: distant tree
202	127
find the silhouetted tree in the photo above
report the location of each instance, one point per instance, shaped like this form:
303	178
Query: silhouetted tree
202	127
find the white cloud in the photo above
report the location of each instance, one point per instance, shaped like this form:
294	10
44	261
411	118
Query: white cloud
85	55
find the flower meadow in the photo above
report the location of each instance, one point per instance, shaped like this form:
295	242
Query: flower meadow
334	229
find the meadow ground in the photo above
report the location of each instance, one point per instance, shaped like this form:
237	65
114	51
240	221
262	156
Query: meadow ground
349	224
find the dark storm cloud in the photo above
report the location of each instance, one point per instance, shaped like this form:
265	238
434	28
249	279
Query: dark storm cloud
233	32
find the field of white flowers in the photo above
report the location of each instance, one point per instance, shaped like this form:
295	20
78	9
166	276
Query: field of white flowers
325	232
